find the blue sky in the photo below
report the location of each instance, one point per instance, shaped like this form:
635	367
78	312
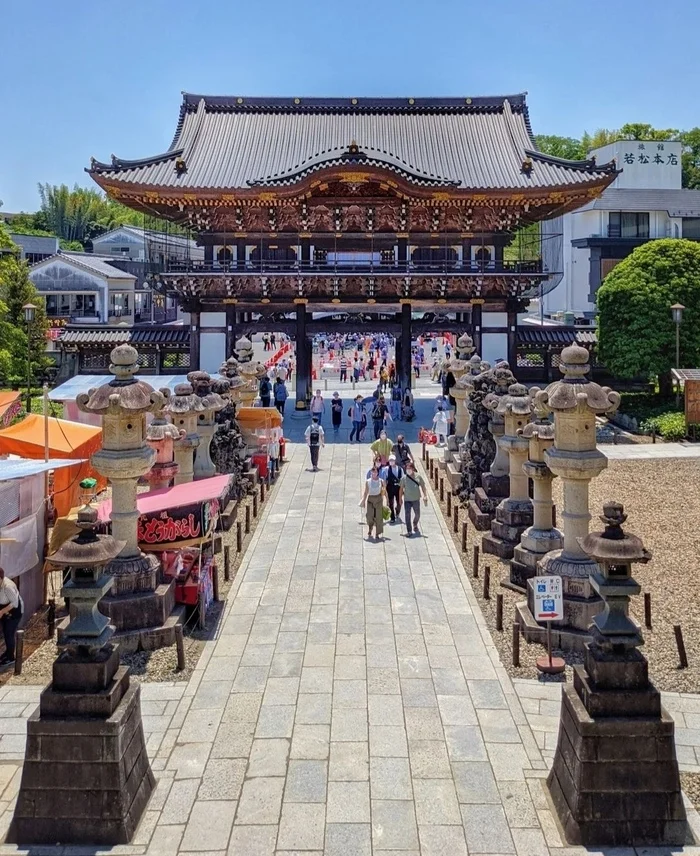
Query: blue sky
92	78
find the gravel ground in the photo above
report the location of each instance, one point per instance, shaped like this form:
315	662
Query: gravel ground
663	503
148	666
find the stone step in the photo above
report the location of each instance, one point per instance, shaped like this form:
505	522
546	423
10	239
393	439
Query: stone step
454	477
496	546
480	521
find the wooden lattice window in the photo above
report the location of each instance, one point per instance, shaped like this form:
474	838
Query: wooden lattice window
176	360
94	361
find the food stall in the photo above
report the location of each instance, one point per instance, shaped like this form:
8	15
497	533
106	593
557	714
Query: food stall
178	523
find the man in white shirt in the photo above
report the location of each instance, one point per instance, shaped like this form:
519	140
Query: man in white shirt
314	440
11	609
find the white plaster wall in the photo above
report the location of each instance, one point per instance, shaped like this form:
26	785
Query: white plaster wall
494	346
212	350
494	319
212	319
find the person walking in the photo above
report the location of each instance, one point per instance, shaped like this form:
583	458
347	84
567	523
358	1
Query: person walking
11	611
395	402
380	414
383	378
382	448
343	369
272	341
373	501
441	425
356	369
318	406
412	485
265	391
336	412
402	452
314	440
392	476
356	414
280	394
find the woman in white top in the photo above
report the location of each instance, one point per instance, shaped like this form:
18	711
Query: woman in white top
373	500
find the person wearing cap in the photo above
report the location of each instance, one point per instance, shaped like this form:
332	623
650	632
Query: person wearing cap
336	412
412	486
392	475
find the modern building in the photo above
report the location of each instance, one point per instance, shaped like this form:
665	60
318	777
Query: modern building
35	248
84	288
371	205
131	242
645	202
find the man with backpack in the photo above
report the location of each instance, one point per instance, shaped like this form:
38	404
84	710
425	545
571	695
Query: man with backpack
314	440
380	414
265	391
281	394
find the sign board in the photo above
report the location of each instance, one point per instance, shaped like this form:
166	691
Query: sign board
692	402
549	598
185	524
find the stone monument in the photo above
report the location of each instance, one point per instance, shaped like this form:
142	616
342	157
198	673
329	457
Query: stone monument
212	402
137	604
514	514
542	537
184	407
575	402
490	484
614	781
459	391
86	777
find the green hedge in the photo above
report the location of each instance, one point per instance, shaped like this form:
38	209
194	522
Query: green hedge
669	425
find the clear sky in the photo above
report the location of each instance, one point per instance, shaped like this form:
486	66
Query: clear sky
92	77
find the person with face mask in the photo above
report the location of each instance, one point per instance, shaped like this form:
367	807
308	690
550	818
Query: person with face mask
380	414
392	475
373	501
412	485
382	447
401	450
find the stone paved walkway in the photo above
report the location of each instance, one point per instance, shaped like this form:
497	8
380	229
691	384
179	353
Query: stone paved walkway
352	704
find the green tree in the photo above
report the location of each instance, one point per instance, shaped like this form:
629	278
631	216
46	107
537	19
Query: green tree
641	131
691	158
16	290
636	334
560	147
82	213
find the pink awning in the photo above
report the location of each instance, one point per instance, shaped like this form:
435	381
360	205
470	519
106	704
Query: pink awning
173	497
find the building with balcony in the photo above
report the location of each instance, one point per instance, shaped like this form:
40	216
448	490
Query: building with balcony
82	288
645	202
375	206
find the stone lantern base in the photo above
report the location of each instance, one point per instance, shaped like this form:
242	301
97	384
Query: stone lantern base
615	781
512	518
482	509
86	777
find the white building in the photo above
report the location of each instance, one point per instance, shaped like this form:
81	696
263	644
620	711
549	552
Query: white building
82	288
146	245
644	203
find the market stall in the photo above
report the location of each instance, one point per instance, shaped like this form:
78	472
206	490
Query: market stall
178	523
63	440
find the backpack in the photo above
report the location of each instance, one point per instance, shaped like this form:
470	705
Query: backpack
314	438
377	412
265	387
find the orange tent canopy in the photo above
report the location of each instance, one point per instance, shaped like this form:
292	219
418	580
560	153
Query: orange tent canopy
66	440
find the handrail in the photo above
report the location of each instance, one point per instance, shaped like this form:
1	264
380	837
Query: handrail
341	267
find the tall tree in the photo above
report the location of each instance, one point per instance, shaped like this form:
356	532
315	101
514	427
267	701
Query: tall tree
560	147
641	131
16	290
636	333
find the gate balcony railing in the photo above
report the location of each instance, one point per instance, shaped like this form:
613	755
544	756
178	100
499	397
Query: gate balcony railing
350	266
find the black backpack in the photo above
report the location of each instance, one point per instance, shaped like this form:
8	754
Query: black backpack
314	438
377	412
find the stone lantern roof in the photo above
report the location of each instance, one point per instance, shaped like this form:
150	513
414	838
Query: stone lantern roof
574	390
613	545
87	549
123	393
517	401
183	400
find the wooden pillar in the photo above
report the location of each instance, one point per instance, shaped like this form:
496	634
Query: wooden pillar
476	327
194	336
231	331
303	375
512	335
240	253
305	244
209	254
405	365
402	251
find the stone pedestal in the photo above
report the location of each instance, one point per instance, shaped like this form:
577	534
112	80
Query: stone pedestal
212	402
514	514
161	436
184	407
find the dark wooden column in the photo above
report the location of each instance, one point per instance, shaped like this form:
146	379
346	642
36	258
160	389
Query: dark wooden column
512	335
305	246
209	253
231	329
402	247
240	252
303	375
476	327
195	333
405	365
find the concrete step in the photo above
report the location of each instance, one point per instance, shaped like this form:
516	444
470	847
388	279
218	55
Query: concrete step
454	476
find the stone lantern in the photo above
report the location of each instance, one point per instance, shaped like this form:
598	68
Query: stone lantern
184	408
161	436
575	402
514	514
614	781
86	777
465	347
502	379
542	537
212	402
459	369
124	458
244	350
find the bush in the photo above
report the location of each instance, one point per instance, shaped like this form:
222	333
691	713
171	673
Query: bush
670	426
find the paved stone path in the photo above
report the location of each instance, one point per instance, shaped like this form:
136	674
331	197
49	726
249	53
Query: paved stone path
352	704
